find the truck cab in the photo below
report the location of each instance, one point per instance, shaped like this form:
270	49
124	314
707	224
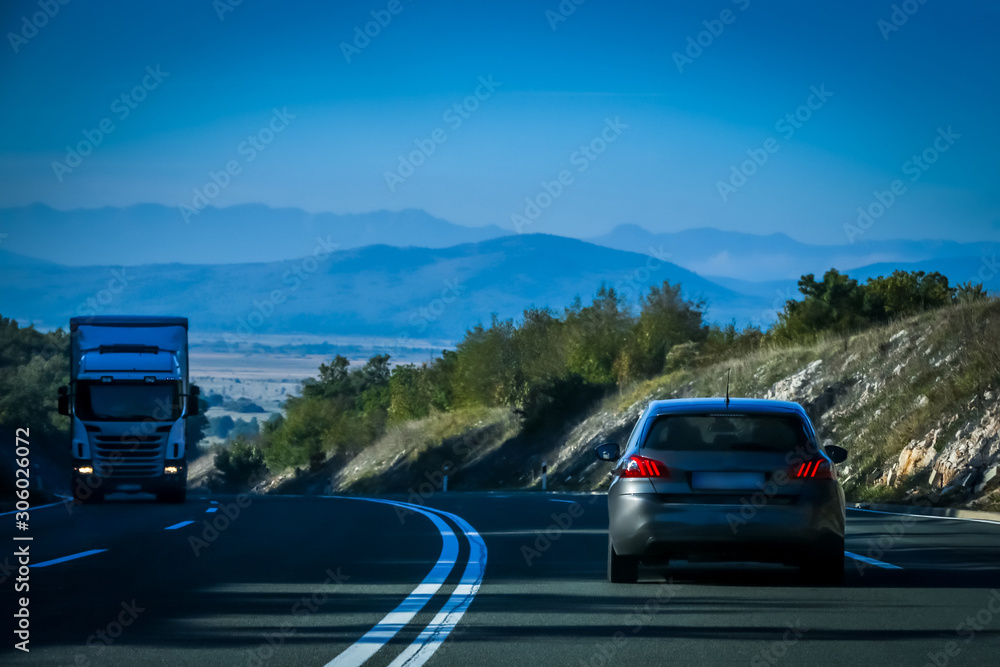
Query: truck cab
128	399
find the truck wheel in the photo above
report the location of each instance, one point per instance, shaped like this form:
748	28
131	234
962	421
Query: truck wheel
621	569
172	496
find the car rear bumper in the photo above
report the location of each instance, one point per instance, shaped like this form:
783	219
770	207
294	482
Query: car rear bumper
646	525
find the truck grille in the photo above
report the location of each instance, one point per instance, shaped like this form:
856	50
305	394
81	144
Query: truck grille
129	455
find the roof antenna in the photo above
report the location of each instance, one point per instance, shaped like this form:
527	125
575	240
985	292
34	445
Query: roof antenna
728	374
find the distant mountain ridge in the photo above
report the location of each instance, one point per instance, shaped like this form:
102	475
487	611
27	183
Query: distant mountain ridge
267	234
379	290
759	258
157	234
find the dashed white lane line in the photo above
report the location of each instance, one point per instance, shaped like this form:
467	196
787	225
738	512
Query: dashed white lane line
872	561
395	620
179	525
431	638
82	554
925	516
211	509
214	502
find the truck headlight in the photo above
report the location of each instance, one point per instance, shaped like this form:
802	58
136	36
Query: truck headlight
85	470
170	470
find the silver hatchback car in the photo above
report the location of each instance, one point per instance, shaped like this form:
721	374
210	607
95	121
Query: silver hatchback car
714	479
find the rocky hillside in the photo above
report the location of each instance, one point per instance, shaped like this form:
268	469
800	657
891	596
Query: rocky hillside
915	403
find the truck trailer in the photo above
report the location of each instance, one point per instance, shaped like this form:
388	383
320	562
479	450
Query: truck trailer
128	399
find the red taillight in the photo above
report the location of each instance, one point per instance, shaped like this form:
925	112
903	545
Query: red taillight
818	469
640	466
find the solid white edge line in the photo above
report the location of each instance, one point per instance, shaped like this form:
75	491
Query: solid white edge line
179	525
872	561
394	621
437	631
82	554
925	516
40	507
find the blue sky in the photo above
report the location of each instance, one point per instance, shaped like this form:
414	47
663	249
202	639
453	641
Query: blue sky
557	88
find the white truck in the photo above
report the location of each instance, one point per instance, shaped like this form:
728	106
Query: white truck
128	398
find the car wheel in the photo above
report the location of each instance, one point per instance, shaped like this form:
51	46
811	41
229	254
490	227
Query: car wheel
621	569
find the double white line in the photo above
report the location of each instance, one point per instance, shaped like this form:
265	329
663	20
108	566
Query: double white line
444	622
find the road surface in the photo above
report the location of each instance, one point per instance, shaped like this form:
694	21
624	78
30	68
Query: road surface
475	579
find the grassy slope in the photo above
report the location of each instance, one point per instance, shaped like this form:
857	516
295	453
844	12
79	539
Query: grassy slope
872	393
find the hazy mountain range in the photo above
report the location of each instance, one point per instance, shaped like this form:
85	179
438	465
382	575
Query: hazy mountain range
257	233
249	270
376	290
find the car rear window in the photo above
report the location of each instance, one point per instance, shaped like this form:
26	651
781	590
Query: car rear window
727	432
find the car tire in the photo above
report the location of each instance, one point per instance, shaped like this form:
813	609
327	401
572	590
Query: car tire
621	569
825	569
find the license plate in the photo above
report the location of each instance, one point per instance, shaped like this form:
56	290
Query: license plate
727	480
129	487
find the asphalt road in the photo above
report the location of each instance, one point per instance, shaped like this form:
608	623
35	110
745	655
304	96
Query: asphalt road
306	581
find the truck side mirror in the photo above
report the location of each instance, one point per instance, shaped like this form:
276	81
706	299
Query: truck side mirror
193	407
64	401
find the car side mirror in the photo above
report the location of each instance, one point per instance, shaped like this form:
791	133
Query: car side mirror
193	407
836	454
64	401
609	452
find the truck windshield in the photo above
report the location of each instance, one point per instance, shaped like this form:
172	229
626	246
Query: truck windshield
128	401
727	432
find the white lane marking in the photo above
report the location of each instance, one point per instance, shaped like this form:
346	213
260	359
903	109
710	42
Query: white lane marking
556	500
395	620
179	525
214	502
924	516
31	509
872	561
431	638
82	554
211	509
